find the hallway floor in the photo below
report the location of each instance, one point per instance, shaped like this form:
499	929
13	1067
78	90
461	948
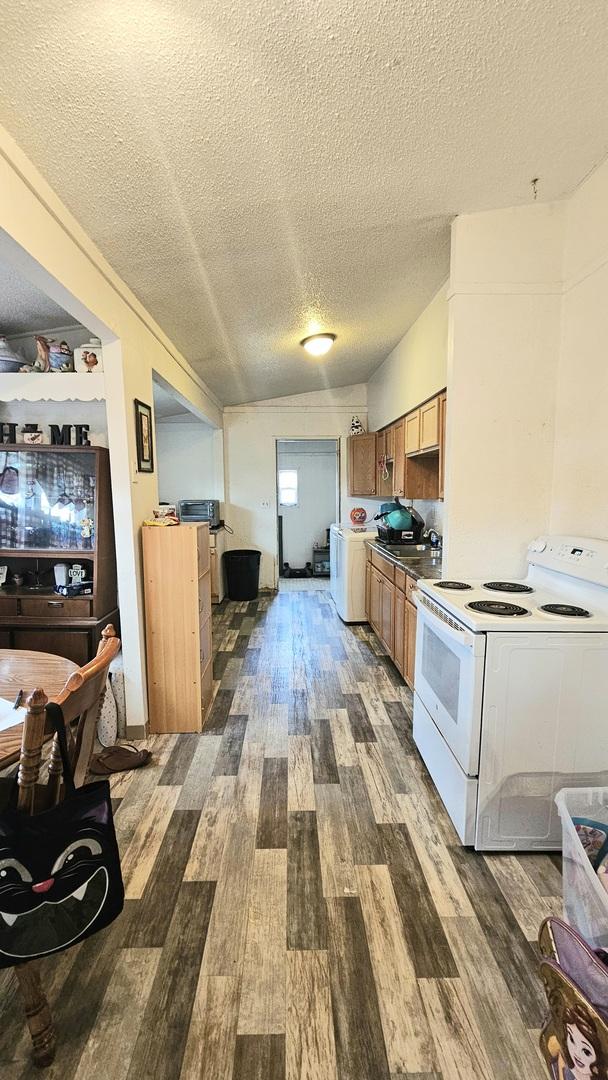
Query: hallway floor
298	905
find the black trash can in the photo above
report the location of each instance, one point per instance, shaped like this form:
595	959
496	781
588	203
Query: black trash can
242	574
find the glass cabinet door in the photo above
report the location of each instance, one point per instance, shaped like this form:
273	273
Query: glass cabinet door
47	500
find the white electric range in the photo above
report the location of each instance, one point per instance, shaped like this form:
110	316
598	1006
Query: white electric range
511	698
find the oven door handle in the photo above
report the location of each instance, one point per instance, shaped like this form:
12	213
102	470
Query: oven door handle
444	623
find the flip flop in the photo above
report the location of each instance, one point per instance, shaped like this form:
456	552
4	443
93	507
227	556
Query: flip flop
118	759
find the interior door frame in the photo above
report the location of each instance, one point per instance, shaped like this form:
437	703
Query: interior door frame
301	439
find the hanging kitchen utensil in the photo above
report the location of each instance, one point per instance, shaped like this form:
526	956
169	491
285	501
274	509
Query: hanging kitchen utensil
9	478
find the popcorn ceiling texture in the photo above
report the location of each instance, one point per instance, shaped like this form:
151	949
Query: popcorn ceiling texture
23	307
254	168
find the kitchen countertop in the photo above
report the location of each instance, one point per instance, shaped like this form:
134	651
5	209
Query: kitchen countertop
418	565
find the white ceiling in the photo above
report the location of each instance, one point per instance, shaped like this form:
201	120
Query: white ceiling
24	308
252	169
167	406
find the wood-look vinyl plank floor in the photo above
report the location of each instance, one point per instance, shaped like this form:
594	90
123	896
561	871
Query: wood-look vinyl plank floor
298	905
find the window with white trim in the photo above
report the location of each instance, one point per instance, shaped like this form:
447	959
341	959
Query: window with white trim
288	487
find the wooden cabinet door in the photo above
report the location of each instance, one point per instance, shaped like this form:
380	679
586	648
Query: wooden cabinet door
399	458
389	442
380	444
429	424
375	600
362	464
368	584
412	432
442	412
399	632
410	661
386	630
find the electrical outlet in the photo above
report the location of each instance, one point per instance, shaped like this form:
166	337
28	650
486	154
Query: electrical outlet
265	504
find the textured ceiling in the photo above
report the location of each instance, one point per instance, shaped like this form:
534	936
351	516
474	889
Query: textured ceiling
255	167
167	407
23	307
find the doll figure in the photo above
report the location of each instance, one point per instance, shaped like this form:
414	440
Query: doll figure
582	1057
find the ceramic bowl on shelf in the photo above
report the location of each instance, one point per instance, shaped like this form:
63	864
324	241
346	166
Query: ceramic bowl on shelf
9	359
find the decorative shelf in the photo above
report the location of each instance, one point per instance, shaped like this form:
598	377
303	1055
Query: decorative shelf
52	386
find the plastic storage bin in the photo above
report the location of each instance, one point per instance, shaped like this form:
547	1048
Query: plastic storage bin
585	899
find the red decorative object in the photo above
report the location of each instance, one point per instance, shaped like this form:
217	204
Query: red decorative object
358	515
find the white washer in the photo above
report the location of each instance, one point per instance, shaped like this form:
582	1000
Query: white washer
347	559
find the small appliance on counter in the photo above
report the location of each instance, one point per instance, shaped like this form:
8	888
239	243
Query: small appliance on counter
399	524
200	510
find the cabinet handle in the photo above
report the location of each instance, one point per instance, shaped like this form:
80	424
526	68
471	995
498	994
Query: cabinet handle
55	603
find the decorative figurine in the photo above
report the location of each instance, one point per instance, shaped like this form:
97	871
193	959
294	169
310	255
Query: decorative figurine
89	357
356	427
42	361
61	357
32	434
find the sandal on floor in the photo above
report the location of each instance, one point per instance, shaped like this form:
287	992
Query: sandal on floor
118	759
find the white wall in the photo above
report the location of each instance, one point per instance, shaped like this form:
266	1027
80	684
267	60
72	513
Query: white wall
416	369
505	302
250	434
316	463
580	478
45	413
189	461
41	239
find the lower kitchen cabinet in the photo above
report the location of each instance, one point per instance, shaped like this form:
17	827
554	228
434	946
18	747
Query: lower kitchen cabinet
391	612
399	635
375	600
386	625
410	644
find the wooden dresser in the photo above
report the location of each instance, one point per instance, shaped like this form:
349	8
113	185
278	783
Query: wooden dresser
177	587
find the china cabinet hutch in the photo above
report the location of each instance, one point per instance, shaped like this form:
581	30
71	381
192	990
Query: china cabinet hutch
56	531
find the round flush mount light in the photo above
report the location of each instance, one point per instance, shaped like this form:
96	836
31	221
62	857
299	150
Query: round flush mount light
318	344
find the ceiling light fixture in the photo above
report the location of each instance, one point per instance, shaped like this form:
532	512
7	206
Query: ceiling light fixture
318	344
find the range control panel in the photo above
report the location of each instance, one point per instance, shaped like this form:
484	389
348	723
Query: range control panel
580	556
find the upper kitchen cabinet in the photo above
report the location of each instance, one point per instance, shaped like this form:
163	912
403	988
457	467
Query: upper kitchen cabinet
362	464
399	462
424	449
412	432
389	442
422	427
429	425
384	478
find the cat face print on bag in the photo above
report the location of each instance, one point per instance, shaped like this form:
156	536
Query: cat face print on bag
51	893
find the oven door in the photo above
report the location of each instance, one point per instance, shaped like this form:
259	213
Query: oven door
450	661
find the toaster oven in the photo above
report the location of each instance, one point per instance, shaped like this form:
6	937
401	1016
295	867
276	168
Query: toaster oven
200	510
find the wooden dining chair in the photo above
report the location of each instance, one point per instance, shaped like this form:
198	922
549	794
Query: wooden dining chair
80	701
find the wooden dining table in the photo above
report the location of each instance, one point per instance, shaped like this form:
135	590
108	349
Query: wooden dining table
24	669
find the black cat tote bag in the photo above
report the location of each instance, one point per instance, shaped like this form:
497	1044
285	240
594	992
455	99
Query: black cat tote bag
60	878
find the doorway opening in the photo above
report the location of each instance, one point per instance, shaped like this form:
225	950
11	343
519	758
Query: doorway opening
308	499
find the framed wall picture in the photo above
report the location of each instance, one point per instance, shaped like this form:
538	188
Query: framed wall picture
143	433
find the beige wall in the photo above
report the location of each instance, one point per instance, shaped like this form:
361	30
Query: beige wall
46	244
580	478
250	434
189	457
505	303
415	369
